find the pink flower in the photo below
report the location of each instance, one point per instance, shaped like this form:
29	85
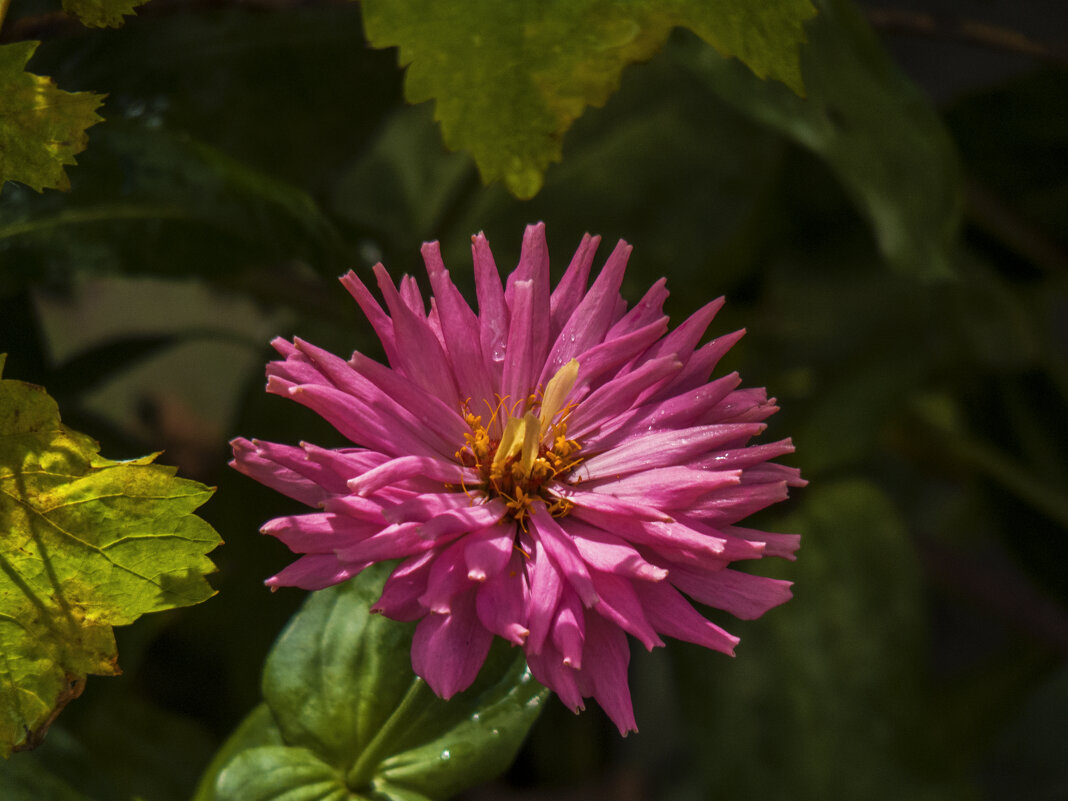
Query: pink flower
557	470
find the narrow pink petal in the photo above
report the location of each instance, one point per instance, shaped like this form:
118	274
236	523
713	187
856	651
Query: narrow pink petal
459	326
619	603
406	467
700	365
667	488
546	587
523	358
591	319
250	460
742	594
621	393
687	410
649	309
572	287
502	602
782	545
400	595
534	267
398	541
604	672
558	545
608	553
673	616
448	578
315	571
549	668
569	629
380	322
321	532
426	417
747	456
421	357
664	448
682	341
605	360
365	424
412	297
488	551
735	503
668	537
493	313
448	650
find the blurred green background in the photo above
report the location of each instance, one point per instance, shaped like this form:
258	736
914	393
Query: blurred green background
896	245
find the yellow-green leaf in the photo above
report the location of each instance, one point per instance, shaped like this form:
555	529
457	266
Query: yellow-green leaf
41	127
510	77
86	543
101	13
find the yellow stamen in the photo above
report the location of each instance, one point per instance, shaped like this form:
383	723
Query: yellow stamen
556	391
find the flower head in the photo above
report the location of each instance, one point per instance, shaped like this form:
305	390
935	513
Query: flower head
557	470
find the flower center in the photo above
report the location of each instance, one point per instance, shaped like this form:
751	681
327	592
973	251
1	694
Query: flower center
531	450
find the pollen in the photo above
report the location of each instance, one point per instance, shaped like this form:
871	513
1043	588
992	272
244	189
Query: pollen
531	450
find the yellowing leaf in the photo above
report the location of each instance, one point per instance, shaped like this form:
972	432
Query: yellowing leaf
510	77
101	13
41	127
85	544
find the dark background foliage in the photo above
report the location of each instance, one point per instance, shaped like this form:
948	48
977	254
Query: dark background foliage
895	246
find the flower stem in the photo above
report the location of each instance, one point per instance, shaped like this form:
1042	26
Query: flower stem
359	777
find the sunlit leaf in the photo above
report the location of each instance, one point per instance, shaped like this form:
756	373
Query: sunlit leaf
101	13
41	127
510	78
88	544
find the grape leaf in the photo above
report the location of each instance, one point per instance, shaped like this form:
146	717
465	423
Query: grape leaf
101	13
88	543
41	127
510	78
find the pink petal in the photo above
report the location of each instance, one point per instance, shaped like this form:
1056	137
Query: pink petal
448	650
546	587
604	672
558	545
670	614
619	603
667	487
315	572
318	533
448	578
434	470
569	629
400	595
487	551
493	312
502	602
743	595
569	292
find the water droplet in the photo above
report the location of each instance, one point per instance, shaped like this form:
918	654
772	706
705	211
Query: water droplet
525	678
445	755
495	732
476	717
497	354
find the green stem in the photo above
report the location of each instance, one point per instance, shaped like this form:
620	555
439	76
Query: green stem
359	777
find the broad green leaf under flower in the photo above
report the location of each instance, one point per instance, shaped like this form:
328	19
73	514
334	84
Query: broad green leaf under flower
88	543
41	127
510	78
345	716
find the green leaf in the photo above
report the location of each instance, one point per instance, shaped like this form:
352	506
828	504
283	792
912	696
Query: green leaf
41	127
101	13
510	78
875	130
89	544
354	718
